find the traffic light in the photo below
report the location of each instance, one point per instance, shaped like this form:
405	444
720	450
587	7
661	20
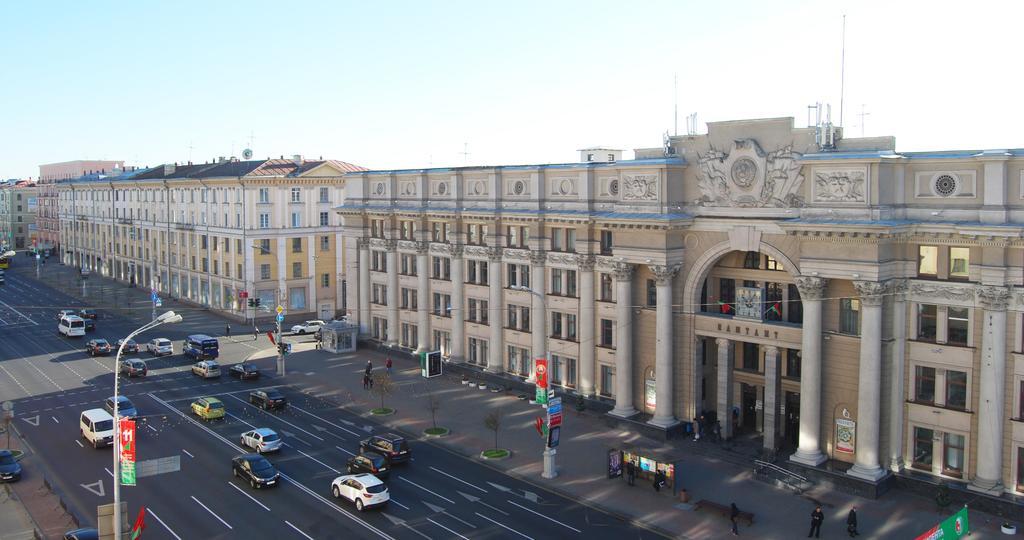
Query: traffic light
257	304
252	302
284	348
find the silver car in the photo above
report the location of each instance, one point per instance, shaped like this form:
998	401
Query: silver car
262	440
207	369
160	347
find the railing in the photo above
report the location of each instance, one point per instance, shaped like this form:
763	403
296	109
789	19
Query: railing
768	472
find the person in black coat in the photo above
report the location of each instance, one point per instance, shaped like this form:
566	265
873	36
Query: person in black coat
851	523
734	513
630	472
817	516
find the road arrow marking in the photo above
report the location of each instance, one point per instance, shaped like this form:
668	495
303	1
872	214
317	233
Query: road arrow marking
500	487
531	496
434	508
401	523
474	498
438	510
96	487
34	420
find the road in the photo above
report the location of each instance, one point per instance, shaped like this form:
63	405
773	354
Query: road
51	379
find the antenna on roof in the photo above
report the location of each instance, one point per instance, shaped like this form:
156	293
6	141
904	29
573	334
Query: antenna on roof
842	74
862	115
691	124
465	153
675	101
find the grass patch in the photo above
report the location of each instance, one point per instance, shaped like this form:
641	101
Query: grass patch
382	411
495	453
436	431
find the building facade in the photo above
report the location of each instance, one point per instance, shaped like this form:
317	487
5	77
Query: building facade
215	234
18	204
47	218
833	297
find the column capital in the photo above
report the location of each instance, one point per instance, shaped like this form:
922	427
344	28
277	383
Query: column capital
993	298
771	350
422	248
494	254
538	257
664	274
363	242
722	342
871	292
898	288
811	288
391	244
456	250
586	262
623	271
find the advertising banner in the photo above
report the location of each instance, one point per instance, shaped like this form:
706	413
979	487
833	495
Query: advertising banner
127	443
614	463
542	380
846	435
954	526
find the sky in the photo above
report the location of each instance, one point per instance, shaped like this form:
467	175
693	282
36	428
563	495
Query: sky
398	84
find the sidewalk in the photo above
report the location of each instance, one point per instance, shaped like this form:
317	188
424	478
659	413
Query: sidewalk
30	505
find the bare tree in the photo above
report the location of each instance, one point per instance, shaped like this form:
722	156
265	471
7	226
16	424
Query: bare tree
493	423
433	404
382	386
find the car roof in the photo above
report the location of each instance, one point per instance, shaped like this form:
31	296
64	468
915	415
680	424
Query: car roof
72	318
97	414
161	339
265	431
133	360
209	399
249	457
366	479
5	453
99	339
391	437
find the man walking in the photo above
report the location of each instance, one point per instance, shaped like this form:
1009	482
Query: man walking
369	367
366	381
817	516
255	333
734	513
851	523
227	330
630	472
388	365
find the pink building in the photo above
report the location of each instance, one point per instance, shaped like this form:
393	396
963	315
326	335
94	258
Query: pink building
47	220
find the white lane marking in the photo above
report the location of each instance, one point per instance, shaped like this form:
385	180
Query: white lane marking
96	487
150	426
80	443
503	526
392	499
428	491
346	451
458	479
174	534
336	471
328	422
23	316
297	529
330	504
187	453
279	419
16	381
55	421
247	495
339	365
447	529
545	517
108	472
211	512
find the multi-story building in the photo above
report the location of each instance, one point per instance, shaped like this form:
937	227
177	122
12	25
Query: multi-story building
215	233
47	220
18	202
833	297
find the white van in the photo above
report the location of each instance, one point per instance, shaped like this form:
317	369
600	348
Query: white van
71	325
97	427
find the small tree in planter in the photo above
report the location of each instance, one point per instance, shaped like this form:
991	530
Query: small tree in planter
433	405
493	422
382	386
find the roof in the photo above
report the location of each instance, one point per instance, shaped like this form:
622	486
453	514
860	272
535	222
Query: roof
889	154
506	210
252	168
675	160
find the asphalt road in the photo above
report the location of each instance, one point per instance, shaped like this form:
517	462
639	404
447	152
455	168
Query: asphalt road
51	380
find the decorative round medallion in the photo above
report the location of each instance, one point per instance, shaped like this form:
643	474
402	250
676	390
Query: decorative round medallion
945	185
380	188
565	186
442	188
478	187
744	171
613	187
519	187
409	188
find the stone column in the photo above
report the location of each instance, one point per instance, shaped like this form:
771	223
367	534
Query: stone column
624	334
313	298
725	378
458	305
898	289
586	310
992	391
363	244
392	309
282	273
423	297
538	313
869	386
664	375
812	289
494	311
771	399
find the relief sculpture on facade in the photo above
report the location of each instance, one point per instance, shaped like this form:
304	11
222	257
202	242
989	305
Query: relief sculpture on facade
837	186
747	177
640	187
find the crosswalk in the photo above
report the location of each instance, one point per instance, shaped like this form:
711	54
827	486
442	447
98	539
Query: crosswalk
11	317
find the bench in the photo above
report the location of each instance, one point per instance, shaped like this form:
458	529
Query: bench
724	511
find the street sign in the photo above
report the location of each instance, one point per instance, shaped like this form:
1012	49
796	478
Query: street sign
554	408
243	294
280	310
280	318
553	433
555	420
127	452
159	302
7	405
153	296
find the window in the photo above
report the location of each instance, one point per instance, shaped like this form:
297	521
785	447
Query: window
924	385
378	294
922	448
793	358
751	357
265	195
563	370
570	326
512	321
752	260
409	299
297	270
518	318
849	316
772	264
264	221
928	261
556	324
957	322
516	236
1020	404
518	275
1020	468
264	246
557	242
324	219
296	245
556	281
926	315
325	243
607	381
606	242
442	268
956	389
439	231
607	333
264	271
442	305
795	308
606	288
296	219
325	280
325	195
953	454
652	293
296	194
959	263
570	283
443	342
518	360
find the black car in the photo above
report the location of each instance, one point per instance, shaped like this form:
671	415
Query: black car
393	446
90	324
87	313
369	462
10	469
82	534
255	469
245	371
268	399
129	345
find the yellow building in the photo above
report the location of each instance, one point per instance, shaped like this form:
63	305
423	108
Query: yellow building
215	233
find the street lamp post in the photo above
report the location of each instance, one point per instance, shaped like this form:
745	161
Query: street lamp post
169	317
550	470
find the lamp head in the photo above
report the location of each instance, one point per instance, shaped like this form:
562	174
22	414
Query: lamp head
169	317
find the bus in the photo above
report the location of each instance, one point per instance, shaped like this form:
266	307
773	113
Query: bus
201	347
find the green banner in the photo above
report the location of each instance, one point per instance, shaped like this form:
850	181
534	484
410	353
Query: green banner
541	396
954	526
127	473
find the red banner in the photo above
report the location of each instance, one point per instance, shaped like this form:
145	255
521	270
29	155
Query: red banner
127	440
271	336
542	372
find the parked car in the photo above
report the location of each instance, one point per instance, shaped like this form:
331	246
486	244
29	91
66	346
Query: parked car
369	462
208	408
97	347
255	469
244	371
129	345
268	399
125	408
262	440
10	469
160	347
87	313
365	490
133	367
82	534
90	324
395	447
308	327
207	369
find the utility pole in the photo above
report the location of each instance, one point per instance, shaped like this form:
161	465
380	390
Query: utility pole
280	344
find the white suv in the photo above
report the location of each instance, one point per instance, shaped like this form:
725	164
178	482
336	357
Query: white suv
160	347
308	327
363	489
71	325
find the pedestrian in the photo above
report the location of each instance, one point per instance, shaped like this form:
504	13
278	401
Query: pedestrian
734	513
630	472
659	480
817	516
370	378
388	365
227	330
851	523
366	381
369	367
319	340
700	428
255	333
